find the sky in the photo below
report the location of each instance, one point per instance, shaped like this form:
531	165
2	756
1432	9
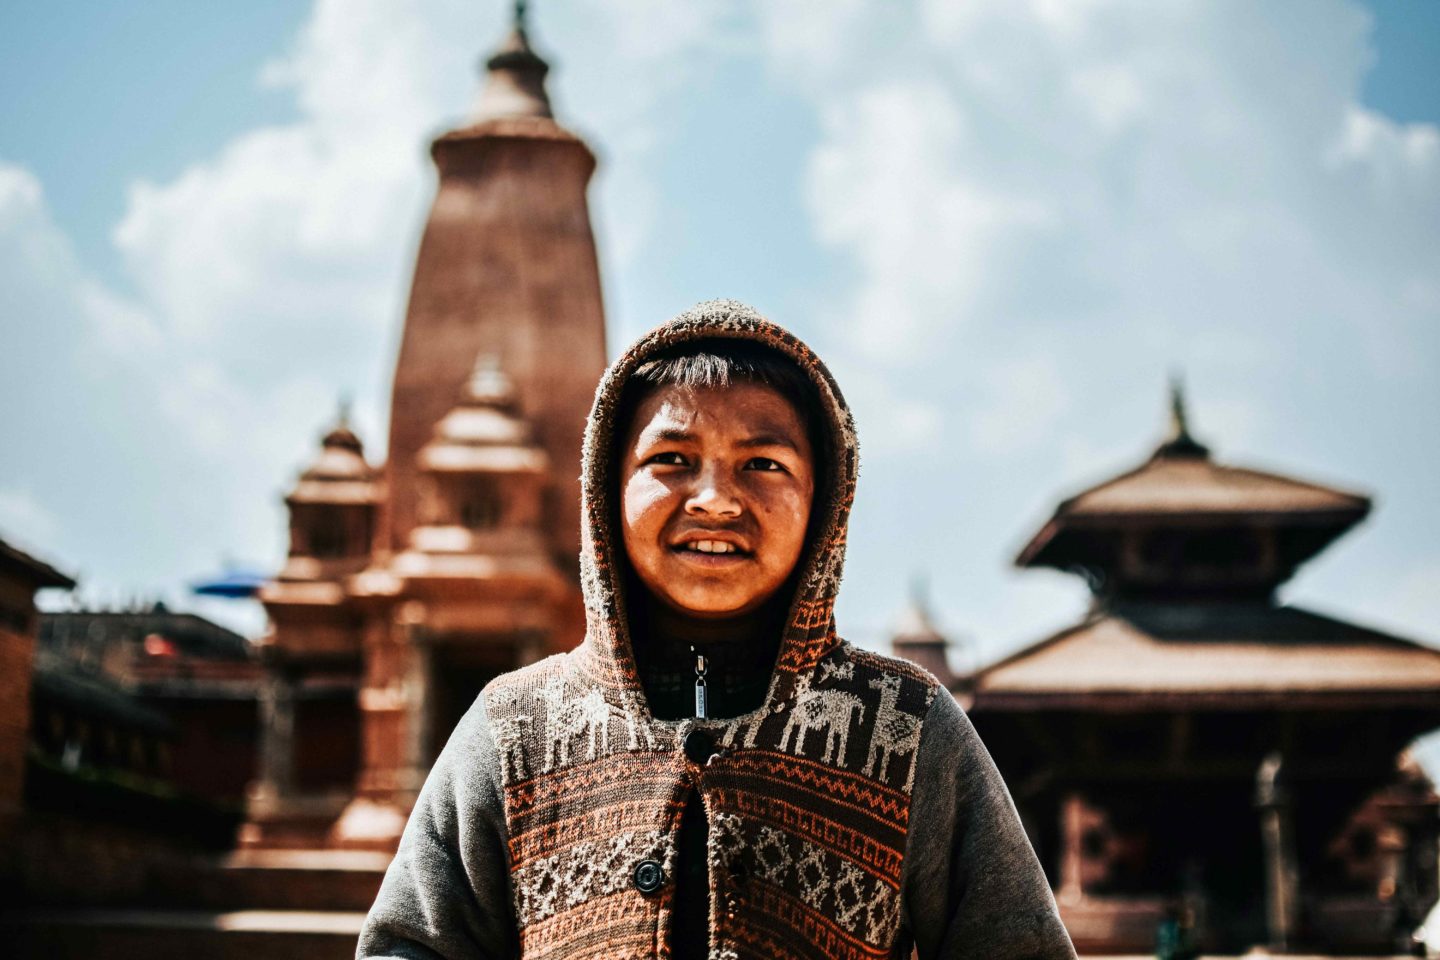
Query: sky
1004	224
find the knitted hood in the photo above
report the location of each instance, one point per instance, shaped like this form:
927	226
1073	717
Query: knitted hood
809	632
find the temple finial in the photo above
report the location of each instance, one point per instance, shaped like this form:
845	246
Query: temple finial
515	75
920	594
1179	427
342	434
1179	442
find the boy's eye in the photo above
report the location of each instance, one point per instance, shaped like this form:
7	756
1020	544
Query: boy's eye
765	463
668	458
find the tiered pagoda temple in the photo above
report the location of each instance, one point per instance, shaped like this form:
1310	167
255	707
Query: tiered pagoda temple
409	585
1194	747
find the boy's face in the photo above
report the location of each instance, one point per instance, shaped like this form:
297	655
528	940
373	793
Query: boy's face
715	493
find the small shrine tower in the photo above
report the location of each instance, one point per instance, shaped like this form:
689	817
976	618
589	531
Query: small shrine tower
309	735
916	638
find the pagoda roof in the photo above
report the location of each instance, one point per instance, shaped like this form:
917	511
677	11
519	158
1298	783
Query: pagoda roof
1213	654
1180	485
96	696
84	634
1167	486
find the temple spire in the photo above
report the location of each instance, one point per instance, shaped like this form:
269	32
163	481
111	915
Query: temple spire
342	434
515	76
1179	442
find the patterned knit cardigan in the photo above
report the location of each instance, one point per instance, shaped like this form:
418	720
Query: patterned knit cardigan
807	797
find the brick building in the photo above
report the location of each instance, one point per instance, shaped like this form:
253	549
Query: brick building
21	575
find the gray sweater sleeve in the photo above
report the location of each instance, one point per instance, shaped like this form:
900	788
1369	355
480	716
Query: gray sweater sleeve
971	886
446	894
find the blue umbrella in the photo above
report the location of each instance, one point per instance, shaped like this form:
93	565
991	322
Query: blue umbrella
235	582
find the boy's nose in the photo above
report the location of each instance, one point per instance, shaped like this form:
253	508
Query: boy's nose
714	495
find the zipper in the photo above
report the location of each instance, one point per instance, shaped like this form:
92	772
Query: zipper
702	692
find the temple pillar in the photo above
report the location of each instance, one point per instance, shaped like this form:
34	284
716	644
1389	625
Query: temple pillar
1282	886
395	734
1072	810
419	720
277	738
279	814
1085	844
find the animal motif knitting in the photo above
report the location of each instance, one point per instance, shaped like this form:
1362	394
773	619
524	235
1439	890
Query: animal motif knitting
894	731
509	732
593	720
829	711
568	718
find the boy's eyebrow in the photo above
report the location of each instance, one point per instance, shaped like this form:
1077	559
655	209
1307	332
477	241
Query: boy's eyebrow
670	434
681	435
769	440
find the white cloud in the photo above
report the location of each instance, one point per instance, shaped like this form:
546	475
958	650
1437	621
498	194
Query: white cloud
887	420
1025	397
121	440
1142	170
884	186
36	247
24	519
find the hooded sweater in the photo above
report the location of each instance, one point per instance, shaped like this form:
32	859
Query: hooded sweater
854	813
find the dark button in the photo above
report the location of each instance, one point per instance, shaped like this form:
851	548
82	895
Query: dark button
699	746
649	876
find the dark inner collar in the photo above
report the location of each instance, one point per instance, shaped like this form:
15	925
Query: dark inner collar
740	653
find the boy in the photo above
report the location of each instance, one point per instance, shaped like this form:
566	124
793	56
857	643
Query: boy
713	773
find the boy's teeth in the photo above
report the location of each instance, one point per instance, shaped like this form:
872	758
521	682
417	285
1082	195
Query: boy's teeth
712	546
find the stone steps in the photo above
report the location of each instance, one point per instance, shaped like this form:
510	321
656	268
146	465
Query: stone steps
161	934
311	880
277	904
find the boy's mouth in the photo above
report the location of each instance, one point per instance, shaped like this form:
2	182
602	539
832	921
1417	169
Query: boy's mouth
697	545
710	546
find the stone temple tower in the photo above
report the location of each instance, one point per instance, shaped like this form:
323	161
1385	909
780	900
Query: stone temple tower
506	267
468	560
505	324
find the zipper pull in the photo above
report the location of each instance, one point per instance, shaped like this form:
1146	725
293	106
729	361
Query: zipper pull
701	692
